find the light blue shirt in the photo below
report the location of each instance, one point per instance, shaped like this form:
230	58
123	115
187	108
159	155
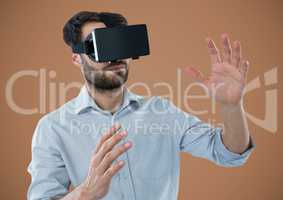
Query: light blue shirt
64	140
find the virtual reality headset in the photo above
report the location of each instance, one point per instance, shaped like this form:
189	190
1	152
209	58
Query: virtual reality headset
115	43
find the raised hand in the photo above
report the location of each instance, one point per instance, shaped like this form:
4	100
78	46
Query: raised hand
228	72
103	166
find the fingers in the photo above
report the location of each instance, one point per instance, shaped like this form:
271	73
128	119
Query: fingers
111	156
111	171
237	54
107	135
213	52
244	68
227	50
109	144
105	154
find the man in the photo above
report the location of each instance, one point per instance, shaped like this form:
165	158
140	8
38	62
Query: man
138	157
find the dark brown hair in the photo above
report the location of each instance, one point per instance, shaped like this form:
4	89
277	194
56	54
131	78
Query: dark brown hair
72	28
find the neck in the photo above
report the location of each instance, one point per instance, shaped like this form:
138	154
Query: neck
107	100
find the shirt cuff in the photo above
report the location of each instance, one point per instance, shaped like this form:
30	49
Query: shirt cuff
234	159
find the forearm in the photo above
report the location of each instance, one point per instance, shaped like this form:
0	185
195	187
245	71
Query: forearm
235	134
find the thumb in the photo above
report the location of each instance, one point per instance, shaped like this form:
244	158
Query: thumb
194	73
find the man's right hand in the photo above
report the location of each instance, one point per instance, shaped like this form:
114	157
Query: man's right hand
102	168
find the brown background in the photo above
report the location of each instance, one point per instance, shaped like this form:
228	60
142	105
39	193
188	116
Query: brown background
31	38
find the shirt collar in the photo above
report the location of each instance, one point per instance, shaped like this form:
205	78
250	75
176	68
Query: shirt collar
84	101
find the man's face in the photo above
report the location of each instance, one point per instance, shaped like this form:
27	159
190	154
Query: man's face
103	76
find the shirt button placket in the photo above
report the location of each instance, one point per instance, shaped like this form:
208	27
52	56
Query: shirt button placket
124	184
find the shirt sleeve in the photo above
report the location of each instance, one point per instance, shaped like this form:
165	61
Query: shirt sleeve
202	140
49	178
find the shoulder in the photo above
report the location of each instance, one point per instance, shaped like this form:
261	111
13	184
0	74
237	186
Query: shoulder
61	113
48	123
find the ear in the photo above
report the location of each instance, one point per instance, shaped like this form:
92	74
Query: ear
76	59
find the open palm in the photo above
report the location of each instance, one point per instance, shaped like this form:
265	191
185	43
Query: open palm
228	72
